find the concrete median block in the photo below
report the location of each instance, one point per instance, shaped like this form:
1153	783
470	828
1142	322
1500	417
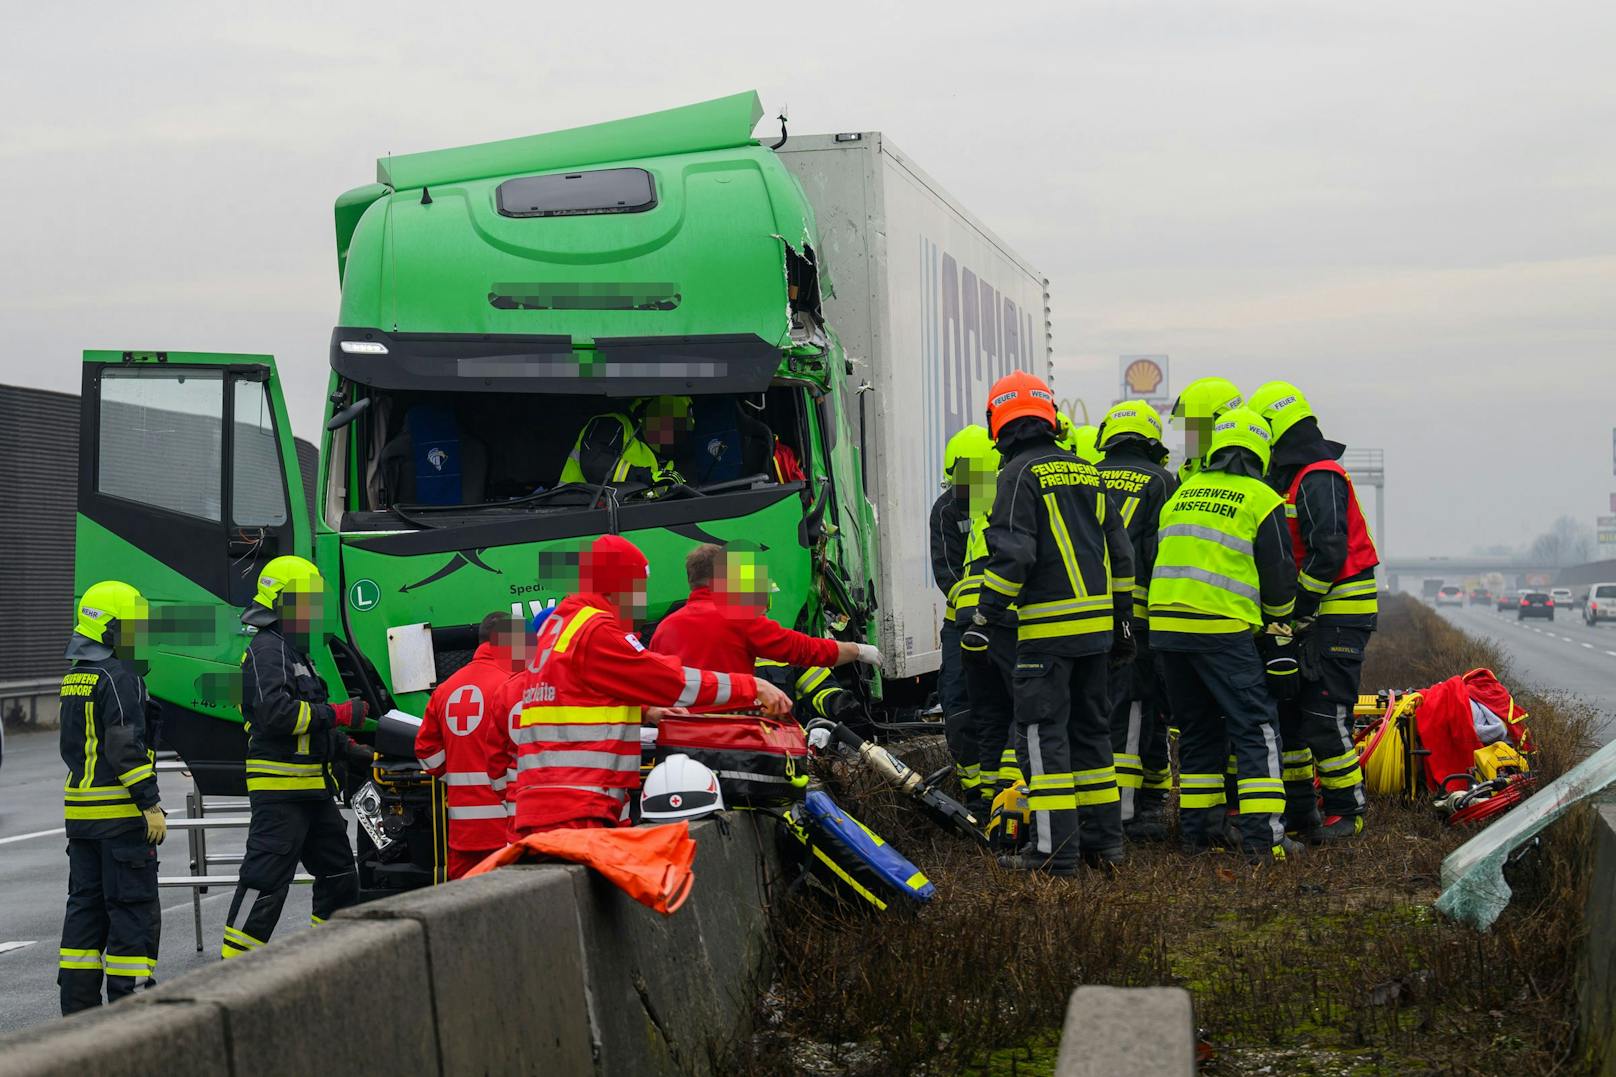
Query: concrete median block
734	866
506	969
126	1040
347	997
668	993
1140	1031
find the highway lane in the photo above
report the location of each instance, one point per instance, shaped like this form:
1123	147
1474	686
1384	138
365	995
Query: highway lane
33	883
1562	656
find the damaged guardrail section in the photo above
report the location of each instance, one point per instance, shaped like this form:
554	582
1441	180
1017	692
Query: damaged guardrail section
543	969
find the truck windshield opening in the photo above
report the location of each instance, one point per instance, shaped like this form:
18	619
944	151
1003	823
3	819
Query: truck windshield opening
429	459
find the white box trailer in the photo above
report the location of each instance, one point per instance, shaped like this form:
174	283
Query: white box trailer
932	308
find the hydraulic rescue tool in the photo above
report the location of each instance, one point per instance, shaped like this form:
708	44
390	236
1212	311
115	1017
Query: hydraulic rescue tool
941	808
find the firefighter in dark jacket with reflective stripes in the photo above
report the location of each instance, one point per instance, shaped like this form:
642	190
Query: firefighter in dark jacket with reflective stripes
1130	437
113	819
294	739
1336	608
1223	573
971	465
1057	548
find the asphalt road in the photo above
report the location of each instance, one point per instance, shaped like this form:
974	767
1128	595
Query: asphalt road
1559	656
33	883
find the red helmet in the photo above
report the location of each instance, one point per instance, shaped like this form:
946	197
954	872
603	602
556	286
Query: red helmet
611	566
1018	394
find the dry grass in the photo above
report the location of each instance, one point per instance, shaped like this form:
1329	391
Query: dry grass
1332	965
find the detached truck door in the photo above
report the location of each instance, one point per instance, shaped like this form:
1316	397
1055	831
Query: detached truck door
188	484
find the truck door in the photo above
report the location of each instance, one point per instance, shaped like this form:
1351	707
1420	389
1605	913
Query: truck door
188	484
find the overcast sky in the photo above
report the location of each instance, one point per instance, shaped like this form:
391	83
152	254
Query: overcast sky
1407	209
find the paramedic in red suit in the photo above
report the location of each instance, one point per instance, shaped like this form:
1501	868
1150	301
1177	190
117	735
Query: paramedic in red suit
722	624
457	736
578	737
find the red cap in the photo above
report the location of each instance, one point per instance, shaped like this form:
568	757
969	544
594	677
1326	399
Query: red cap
611	566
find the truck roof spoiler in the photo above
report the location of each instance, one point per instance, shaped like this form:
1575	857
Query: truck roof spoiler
721	123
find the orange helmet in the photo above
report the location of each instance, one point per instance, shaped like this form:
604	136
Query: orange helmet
1016	395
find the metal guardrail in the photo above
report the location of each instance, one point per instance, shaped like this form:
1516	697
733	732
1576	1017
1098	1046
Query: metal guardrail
195	826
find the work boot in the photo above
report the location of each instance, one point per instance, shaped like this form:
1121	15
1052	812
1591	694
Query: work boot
1037	862
1284	850
1105	860
1305	824
1148	824
1339	828
1231	828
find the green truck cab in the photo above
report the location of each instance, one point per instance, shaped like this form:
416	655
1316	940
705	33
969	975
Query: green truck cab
495	299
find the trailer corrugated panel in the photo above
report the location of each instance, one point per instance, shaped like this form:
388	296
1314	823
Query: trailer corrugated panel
39	450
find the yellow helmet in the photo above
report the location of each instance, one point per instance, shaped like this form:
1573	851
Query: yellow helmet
1244	429
1130	417
1282	404
1086	444
972	442
1206	398
1080	441
104	603
287	572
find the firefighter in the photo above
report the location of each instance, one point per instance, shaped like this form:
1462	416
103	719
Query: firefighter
113	819
295	740
1058	549
467	705
578	736
1336	607
1223	572
1200	403
1130	436
637	445
969	462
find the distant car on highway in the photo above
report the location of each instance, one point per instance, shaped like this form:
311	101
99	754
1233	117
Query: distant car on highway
1508	600
1450	595
1535	604
1562	597
1480	597
1601	604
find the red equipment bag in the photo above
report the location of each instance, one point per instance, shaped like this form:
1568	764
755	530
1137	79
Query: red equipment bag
760	762
1447	731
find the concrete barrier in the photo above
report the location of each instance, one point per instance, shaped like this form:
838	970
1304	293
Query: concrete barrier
545	969
182	1041
1596	1001
1140	1031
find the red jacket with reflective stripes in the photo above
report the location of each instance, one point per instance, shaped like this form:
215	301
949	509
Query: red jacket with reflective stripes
461	728
1361	553
732	639
578	736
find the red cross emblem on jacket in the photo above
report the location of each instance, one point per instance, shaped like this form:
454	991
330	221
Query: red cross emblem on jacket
465	710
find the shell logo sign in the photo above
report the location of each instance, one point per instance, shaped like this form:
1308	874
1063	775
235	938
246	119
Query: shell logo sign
1144	377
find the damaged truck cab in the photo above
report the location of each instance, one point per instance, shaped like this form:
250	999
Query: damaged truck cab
497	298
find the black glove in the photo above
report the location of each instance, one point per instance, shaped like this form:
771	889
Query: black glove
843	705
975	639
1123	648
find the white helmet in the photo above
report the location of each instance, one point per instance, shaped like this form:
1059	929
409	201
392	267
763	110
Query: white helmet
680	788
